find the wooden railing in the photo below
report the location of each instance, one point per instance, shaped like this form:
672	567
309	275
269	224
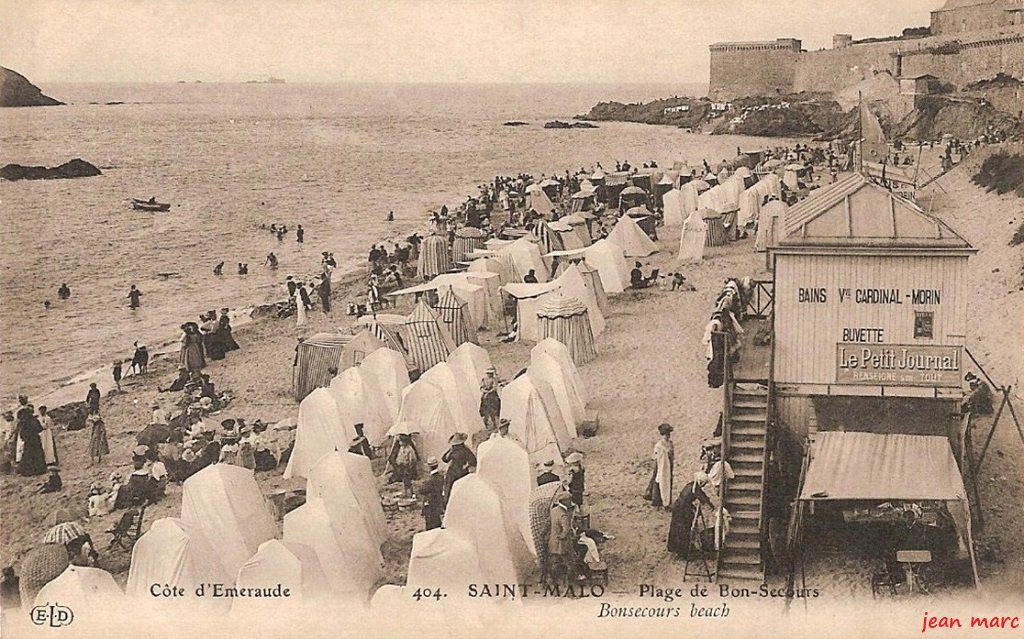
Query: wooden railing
761	299
723	486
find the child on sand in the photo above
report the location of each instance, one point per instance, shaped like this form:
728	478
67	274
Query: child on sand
98	445
117	374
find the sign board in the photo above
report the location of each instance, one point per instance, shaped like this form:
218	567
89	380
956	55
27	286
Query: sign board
898	364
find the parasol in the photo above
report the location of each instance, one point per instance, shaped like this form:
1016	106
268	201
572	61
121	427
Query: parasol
64	532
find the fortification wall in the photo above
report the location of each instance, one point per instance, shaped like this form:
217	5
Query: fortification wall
736	72
972	18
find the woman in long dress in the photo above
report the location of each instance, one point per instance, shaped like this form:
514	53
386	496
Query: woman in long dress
46	438
300	307
212	339
31	459
192	357
659	490
226	336
684	510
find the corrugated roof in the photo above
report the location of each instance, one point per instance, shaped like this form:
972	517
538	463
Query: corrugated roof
854	211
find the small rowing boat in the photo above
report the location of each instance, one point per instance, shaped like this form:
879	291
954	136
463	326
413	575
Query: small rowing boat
149	205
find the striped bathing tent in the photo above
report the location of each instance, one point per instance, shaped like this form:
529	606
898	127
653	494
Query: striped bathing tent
454	318
434	258
467	240
315	357
716	228
565	319
425	340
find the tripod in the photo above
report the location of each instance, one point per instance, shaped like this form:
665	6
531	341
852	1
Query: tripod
697	543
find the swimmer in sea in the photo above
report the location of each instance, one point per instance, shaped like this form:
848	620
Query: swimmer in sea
219	269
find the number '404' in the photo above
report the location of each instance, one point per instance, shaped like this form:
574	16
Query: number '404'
428	593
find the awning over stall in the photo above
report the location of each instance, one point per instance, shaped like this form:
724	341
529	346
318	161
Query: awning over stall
853	465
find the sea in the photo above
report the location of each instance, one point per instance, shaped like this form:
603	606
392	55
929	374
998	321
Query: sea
335	158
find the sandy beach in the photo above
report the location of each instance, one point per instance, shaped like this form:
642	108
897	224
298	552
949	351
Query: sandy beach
650	369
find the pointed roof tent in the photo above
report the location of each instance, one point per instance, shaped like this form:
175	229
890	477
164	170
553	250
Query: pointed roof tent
539	427
444	558
454	318
426	411
224	503
857	213
469	363
506	466
426	341
384	376
173	552
320	429
475	511
560	352
350	567
465	405
364	343
386	328
350	495
91	593
293	565
631	238
349	393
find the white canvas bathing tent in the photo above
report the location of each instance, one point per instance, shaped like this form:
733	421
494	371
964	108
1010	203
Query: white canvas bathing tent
506	466
672	202
320	429
528	298
469	363
426	412
91	594
771	224
545	368
173	552
526	256
475	511
560	354
464	402
693	239
628	235
223	502
446	559
454	317
344	552
537	423
293	565
384	375
348	498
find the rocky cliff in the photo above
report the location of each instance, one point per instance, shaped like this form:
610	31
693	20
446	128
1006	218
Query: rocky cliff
17	91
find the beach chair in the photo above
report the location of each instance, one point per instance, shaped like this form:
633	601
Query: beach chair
128	529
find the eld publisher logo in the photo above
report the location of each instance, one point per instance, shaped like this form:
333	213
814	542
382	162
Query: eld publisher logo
54	615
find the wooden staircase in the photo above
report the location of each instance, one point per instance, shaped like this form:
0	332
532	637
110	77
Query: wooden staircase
744	446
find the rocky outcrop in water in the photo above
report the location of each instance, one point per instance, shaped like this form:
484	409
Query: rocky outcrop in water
74	169
17	91
558	124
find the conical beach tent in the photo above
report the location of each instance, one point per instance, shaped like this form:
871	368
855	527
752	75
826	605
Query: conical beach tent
593	281
349	394
364	343
385	376
446	559
673	203
348	498
434	258
350	566
506	465
290	564
426	413
531	421
426	341
628	235
694	239
566	320
90	593
474	511
173	552
320	429
545	369
223	502
465	405
454	318
572	284
525	255
560	354
469	363
607	258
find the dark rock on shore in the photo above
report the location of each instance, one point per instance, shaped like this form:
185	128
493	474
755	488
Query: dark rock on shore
17	91
73	169
514	123
558	124
676	111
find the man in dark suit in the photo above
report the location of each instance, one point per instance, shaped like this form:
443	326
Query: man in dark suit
433	496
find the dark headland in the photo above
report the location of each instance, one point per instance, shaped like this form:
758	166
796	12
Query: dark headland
17	91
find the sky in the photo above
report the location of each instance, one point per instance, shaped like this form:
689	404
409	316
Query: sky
614	41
